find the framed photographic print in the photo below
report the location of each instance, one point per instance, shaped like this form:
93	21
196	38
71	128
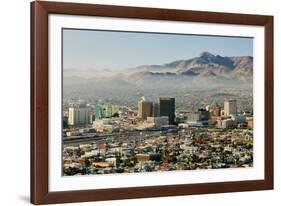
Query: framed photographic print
131	102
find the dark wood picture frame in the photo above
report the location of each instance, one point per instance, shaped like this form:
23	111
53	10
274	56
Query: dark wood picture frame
39	102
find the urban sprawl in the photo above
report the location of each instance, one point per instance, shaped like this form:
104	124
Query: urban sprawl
154	136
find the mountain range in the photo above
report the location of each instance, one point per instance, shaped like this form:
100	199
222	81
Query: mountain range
206	65
205	71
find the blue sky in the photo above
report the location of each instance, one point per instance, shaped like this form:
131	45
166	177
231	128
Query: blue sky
90	49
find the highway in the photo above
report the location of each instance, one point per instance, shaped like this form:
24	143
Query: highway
100	138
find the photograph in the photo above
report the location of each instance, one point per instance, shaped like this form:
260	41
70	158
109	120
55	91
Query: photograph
131	102
137	102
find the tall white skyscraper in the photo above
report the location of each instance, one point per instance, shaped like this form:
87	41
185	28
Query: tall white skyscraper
79	114
230	107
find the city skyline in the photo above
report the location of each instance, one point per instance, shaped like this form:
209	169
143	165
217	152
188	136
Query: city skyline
131	140
91	49
190	107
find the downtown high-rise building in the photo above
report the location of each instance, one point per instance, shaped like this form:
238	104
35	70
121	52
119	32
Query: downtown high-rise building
79	114
214	110
167	108
156	109
230	107
145	109
106	110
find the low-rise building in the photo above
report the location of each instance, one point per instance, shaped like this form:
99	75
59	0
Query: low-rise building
226	123
106	125
158	121
142	157
250	122
238	118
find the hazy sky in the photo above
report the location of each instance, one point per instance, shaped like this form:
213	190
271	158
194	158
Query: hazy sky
89	49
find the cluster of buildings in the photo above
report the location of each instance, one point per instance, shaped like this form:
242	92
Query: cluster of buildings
79	114
82	114
159	114
165	107
106	111
187	149
214	115
153	136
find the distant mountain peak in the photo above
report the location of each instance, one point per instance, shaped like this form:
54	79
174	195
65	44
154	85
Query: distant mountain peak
206	54
207	65
205	70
